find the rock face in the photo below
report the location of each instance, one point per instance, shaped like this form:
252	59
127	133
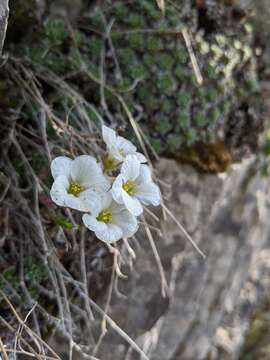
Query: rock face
207	312
4	11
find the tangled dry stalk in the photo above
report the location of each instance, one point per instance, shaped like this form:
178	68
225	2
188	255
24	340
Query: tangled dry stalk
77	266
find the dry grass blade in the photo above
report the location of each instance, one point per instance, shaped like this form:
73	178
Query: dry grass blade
193	59
3	351
27	353
29	331
120	331
164	284
183	230
161	5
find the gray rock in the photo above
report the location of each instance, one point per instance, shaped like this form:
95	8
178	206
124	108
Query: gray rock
208	309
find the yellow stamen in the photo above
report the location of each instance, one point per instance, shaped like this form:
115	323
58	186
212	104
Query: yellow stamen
110	163
130	187
105	216
75	189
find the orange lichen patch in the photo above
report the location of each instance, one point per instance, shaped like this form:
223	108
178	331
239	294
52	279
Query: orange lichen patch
209	158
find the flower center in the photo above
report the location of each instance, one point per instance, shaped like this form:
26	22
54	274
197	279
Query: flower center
110	163
75	189
130	187
105	216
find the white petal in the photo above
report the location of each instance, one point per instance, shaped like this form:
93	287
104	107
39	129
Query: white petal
148	193
100	182
131	168
61	197
88	173
125	146
116	154
92	201
76	203
106	200
59	190
92	224
145	174
116	207
127	222
105	232
132	204
141	158
61	166
109	136
117	189
111	234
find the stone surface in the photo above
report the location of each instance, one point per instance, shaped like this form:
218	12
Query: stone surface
4	11
210	302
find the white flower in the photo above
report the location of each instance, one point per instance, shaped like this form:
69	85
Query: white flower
109	220
134	186
118	148
75	179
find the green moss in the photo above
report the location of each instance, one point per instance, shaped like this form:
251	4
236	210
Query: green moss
168	87
165	62
137	71
95	46
55	31
257	329
150	9
34	273
135	20
183	120
64	223
157	145
199	119
35	54
214	115
143	92
193	80
94	69
75	59
211	95
180	54
252	85
120	10
152	104
225	106
166	106
153	44
97	22
148	59
210	136
58	65
265	170
211	72
180	72
183	100
266	146
136	41
175	21
173	142
163	126
191	136
126	56
165	83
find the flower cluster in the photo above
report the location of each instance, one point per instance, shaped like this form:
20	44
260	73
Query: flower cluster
111	204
